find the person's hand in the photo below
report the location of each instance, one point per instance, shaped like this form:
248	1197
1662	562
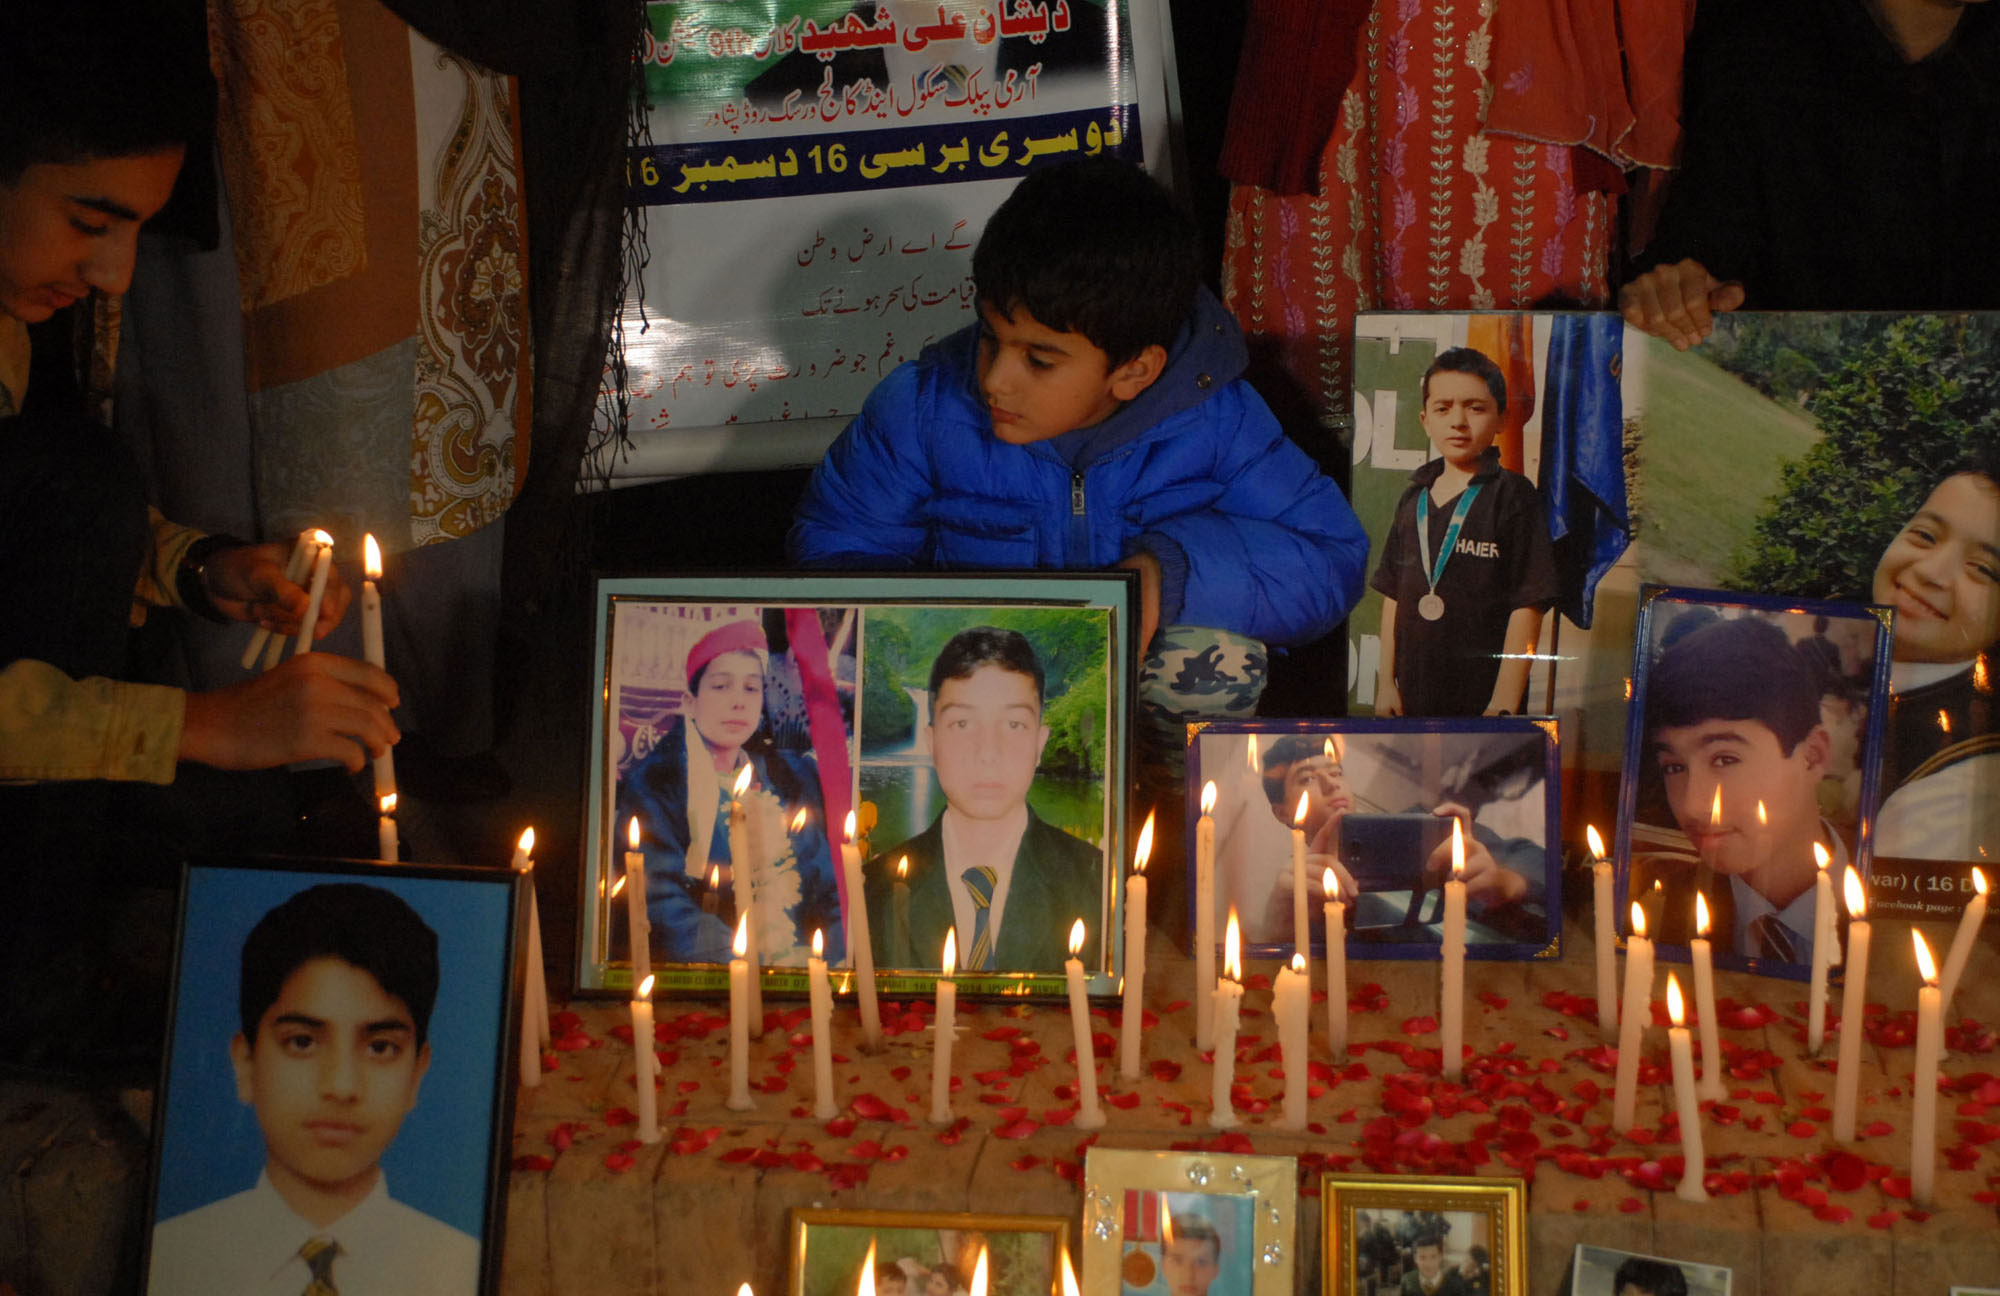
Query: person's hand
248	583
1677	302
1388	698
1485	880
316	706
1148	568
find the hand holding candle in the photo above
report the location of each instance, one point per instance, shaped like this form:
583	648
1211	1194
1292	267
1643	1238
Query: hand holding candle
1133	1017
1687	1102
322	567
739	1020
295	571
944	1025
1632	1020
1336	967
821	994
1228	1004
1924	1080
1204	912
1089	1115
1607	937
1853	1005
1452	1029
860	945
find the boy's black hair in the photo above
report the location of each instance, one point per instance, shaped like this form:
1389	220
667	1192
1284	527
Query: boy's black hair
99	79
1465	360
373	929
951	1273
1743	669
1095	247
968	650
1657	1277
1427	1240
1197	1228
888	1271
1283	754
1981	459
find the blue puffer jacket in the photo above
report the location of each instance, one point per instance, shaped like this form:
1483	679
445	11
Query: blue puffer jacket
1250	535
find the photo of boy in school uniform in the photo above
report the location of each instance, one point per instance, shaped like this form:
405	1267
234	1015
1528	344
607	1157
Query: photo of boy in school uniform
1467	569
335	1000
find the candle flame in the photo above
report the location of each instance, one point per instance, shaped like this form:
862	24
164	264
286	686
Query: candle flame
1076	936
1298	963
742	783
1763	819
799	819
903	868
1144	850
847	829
744	1290
1596	842
1232	949
979	1274
1980	679
527	846
1979	881
1331	881
322	539
645	990
388	804
1700	914
1208	797
1069	1287
867	1286
1457	849
1715	808
371	557
819	943
1944	720
1299	815
950	959
714	876
1857	899
1332	749
1256	758
1638	919
1674	1007
1166	1225
1926	968
742	942
632	832
1820	858
619	885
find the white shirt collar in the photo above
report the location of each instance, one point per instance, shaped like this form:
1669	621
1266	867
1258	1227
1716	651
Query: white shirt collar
279	1232
1905	676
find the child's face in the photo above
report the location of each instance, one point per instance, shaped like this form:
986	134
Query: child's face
1039	383
1743	759
987	737
334	1069
1430	1262
1942	573
1460	417
70	227
1191	1266
729	701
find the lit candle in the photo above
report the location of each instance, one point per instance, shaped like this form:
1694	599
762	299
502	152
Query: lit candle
860	946
538	982
944	1025
295	571
1924	1081
1853	1007
1135	956
899	912
739	1020
1962	941
1228	1004
1291	1002
711	899
1301	930
979	1274
1710	1086
371	649
643	1062
1204	913
1088	1114
386	845
743	867
1686	1101
1453	1026
866	1285
1823	928
1632	1020
639	928
322	565
1607	937
1336	966
821	994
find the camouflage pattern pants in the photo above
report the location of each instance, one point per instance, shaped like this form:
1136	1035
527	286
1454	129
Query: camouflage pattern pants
1192	673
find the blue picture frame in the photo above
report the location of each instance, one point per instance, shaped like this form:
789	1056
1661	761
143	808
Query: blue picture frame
1663	862
1504	769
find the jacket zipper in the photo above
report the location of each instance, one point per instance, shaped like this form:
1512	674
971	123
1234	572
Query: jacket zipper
1079	522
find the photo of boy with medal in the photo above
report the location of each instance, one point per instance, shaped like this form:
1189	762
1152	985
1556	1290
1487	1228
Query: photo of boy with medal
1467	569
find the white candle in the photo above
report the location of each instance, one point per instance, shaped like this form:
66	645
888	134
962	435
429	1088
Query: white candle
1088	1114
1301	927
1133	1023
643	1062
1823	938
1291	1002
860	942
1607	937
638	927
1686	1101
821	994
538	981
1853	1005
1452	1029
386	845
1204	915
295	571
743	864
1924	1081
1710	1086
739	1021
1962	941
942	1028
371	648
322	565
1632	1018
1228	1005
1336	967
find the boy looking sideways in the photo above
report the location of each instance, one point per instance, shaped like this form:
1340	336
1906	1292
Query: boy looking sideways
335	1001
1467	568
1096	417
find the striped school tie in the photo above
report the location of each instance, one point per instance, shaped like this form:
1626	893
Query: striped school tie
1772	939
319	1253
980	882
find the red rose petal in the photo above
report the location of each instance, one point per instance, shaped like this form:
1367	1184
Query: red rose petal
619	1162
1631	1205
534	1161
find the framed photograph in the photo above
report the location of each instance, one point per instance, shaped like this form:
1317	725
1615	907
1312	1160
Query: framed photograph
1448	1237
1600	1271
1375	800
333	1105
1755	735
1188	1223
976	727
919	1254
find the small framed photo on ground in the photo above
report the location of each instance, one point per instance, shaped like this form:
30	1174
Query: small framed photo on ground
1373	803
1188	1224
1755	737
925	1254
974	726
333	1106
1386	1234
1600	1271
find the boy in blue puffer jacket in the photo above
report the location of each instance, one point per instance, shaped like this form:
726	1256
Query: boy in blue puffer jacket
1095	417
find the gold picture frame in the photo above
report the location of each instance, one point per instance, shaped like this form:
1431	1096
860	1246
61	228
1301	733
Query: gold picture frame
1246	1208
828	1246
1364	1216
